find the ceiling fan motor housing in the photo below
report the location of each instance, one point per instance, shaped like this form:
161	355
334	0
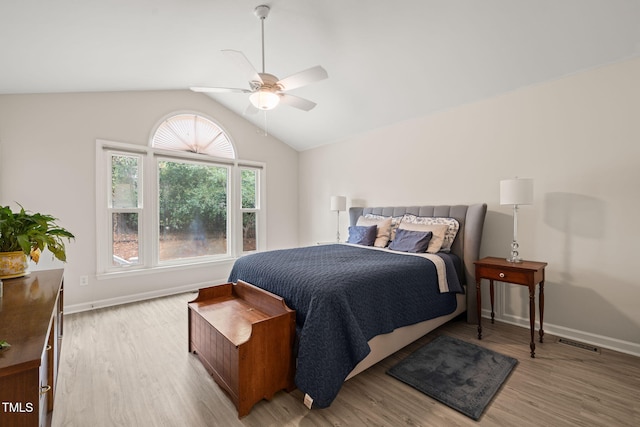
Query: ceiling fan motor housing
261	11
269	81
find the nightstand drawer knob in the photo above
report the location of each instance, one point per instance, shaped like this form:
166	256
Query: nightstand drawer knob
501	275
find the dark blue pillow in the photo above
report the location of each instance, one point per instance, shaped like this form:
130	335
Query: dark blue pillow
363	235
411	241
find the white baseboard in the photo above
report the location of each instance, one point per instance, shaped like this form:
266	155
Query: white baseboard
574	334
109	302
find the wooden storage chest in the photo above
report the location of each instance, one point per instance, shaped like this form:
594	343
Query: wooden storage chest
244	337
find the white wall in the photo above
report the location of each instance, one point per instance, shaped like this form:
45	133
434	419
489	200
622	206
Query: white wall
47	155
577	137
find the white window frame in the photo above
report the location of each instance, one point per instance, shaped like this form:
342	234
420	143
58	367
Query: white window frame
258	202
109	153
148	221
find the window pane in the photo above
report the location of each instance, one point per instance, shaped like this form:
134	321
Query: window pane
192	210
248	231
124	181
248	189
125	239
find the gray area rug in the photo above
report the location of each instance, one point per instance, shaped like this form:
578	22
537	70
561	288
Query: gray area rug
461	375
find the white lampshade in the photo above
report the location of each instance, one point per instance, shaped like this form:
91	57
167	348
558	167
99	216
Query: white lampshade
338	203
517	191
264	99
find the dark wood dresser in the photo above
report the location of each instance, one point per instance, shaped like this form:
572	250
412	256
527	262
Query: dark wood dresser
243	335
31	321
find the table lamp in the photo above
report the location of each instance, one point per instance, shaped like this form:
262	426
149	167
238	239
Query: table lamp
338	204
516	192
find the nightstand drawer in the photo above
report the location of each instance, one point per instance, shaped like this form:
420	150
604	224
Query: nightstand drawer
503	275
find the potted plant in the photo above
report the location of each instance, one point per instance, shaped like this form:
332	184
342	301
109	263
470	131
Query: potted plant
25	234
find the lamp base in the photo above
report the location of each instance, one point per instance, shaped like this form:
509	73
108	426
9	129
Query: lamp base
515	255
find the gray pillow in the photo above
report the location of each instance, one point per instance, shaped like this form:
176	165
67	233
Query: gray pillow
411	241
363	235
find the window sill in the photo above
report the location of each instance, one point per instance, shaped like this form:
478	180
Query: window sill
142	271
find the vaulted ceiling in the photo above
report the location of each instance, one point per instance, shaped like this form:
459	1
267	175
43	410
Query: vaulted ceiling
387	61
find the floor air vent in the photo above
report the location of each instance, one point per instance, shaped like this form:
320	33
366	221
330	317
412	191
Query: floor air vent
578	344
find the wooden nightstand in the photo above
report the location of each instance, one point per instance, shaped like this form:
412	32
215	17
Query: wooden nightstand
525	273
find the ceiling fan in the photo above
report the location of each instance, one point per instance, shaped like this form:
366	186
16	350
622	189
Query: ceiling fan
266	90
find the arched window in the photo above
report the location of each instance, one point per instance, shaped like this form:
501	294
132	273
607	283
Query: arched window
193	133
197	203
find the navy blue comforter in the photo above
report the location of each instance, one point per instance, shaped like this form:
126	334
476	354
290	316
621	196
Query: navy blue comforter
343	296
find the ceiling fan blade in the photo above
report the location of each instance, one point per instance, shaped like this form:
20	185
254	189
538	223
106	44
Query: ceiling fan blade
303	78
243	63
251	110
296	101
218	89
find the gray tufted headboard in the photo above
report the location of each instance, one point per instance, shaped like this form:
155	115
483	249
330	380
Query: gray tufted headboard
467	242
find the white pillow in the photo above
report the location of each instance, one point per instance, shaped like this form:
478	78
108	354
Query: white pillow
452	227
395	222
439	231
383	232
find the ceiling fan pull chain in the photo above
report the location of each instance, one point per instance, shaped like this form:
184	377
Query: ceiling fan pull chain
263	131
265	123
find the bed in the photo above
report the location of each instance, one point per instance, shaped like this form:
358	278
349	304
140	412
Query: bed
356	305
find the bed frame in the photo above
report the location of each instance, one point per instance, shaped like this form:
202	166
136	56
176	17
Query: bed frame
466	246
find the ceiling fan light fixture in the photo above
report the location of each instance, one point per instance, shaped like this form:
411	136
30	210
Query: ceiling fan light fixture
264	99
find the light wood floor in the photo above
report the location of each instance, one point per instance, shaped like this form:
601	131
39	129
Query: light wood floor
129	366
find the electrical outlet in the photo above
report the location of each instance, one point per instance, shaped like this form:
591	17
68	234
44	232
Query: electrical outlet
84	280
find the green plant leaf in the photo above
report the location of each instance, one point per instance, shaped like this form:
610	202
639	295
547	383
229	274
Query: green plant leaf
24	231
